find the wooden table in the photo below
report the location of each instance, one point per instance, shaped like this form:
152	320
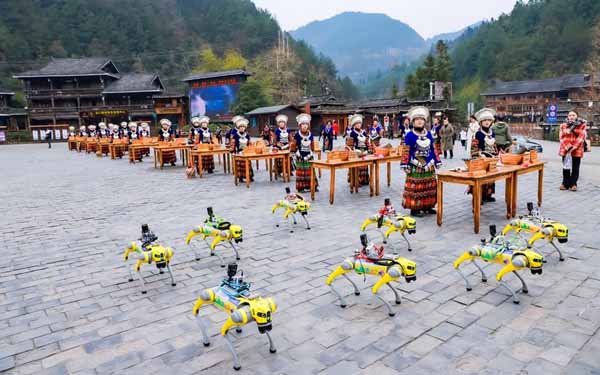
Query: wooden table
388	160
160	149
537	166
196	158
333	166
116	145
72	143
134	146
507	173
270	156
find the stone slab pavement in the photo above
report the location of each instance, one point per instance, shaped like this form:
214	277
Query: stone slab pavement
66	305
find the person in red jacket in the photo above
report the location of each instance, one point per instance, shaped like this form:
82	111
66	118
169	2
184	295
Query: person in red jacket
336	129
572	141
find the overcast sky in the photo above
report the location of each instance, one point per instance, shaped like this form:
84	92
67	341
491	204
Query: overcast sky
427	17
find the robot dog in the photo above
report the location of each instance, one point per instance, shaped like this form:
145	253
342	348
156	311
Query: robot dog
146	251
293	203
370	260
512	256
386	218
540	227
219	229
233	297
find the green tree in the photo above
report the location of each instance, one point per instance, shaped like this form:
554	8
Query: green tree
394	91
443	63
250	96
233	60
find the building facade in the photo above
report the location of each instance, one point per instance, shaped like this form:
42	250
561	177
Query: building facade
213	94
525	103
74	92
11	118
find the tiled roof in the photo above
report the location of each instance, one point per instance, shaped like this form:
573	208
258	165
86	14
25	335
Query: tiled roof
539	86
227	73
135	82
73	67
269	110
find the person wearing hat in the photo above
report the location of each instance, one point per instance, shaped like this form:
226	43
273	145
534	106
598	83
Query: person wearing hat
200	133
133	132
113	131
92	131
303	146
72	131
419	161
358	141
231	131
82	131
144	130
484	145
166	134
123	129
239	141
102	130
195	132
281	140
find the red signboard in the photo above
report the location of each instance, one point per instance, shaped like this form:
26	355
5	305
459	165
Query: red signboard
215	82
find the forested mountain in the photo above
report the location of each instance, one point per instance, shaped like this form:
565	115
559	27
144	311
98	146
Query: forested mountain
538	39
363	43
164	36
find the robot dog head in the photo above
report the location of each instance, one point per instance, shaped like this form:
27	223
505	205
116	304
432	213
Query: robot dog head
262	310
409	222
559	231
302	207
236	233
529	259
160	255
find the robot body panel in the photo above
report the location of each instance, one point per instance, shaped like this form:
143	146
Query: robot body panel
233	297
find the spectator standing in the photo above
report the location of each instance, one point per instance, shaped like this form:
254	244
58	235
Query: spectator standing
573	134
49	138
446	134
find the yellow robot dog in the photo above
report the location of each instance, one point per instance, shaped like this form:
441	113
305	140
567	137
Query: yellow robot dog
224	232
512	256
147	252
233	297
542	228
370	260
293	203
386	218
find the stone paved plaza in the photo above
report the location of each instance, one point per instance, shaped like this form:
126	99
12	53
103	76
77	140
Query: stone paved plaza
66	305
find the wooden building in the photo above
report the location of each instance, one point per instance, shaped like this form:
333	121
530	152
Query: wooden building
82	91
525	103
262	116
11	118
213	94
328	108
172	106
324	108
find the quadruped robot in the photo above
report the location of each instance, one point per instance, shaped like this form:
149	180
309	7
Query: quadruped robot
221	231
512	254
234	298
540	227
371	260
146	251
386	217
293	204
